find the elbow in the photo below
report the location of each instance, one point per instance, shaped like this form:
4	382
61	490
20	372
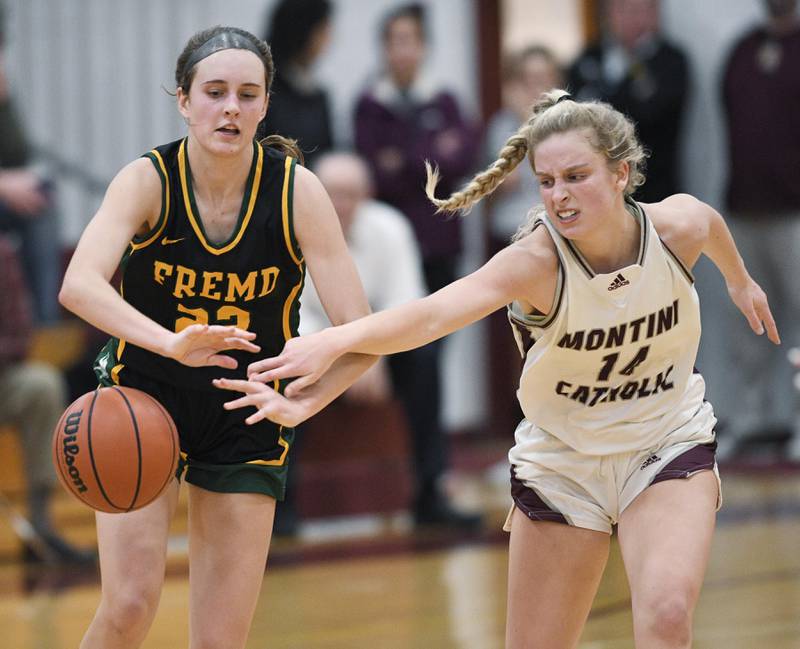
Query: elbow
69	295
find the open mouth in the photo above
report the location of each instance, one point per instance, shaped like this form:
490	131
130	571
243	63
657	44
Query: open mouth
228	130
565	216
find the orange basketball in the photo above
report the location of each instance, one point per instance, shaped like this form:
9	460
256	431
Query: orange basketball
115	449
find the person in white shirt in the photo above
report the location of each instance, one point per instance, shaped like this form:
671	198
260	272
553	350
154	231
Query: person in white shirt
385	251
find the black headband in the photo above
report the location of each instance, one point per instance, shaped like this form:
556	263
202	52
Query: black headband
227	40
564	97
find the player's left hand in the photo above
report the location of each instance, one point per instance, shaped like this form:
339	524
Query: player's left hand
269	403
752	302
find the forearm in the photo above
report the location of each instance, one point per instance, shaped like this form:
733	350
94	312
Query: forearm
413	324
94	300
341	375
387	332
721	249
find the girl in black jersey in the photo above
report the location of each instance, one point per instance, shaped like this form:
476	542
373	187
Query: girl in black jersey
216	231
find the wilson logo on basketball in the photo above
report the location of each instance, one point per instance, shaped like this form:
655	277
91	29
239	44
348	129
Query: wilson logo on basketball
71	449
115	449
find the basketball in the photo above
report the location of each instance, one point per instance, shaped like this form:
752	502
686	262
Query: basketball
115	449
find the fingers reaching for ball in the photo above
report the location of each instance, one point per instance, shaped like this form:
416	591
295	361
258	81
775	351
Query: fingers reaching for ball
269	403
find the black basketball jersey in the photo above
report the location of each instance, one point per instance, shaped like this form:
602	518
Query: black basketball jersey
177	276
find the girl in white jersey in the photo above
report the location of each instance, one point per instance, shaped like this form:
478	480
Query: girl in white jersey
616	430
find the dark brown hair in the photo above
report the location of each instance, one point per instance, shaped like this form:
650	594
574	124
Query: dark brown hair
184	75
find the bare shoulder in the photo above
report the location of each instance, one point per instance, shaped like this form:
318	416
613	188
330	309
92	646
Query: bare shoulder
682	222
531	264
537	249
307	187
303	176
139	174
310	201
135	193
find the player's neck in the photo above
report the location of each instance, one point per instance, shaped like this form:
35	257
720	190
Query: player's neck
614	248
214	175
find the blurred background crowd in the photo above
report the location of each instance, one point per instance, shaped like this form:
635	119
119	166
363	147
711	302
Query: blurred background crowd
371	89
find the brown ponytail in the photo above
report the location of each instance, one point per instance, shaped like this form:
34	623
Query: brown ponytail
284	145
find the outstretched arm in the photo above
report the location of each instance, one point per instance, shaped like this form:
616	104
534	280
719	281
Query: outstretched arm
691	228
271	404
339	287
525	271
745	293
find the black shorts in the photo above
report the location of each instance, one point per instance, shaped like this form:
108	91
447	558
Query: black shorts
219	451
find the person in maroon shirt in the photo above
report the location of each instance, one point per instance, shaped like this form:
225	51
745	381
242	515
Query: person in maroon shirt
32	398
761	96
402	119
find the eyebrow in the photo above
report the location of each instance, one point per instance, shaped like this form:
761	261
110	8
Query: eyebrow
568	169
225	81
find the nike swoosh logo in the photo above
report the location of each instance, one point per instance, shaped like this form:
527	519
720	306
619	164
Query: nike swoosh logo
166	242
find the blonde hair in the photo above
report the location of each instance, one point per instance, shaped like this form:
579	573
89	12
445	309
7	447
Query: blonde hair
612	135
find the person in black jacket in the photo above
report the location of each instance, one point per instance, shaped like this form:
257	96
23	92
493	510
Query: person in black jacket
298	31
635	69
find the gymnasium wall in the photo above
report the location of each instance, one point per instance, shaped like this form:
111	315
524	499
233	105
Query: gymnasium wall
90	77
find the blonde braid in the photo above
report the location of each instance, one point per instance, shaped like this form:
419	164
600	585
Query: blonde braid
482	183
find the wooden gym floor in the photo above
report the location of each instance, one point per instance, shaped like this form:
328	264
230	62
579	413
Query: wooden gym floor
371	582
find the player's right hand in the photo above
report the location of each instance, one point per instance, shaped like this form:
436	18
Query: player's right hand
199	345
305	359
752	302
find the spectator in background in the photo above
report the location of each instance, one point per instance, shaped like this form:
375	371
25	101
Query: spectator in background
402	119
761	96
32	398
375	234
26	208
526	74
636	70
298	31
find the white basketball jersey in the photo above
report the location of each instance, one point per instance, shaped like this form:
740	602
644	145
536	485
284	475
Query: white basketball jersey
611	368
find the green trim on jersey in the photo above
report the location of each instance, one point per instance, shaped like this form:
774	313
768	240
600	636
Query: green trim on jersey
106	362
148	238
240	478
288	210
291	310
245	210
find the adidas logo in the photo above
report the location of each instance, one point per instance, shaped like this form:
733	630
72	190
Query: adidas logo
651	460
619	282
